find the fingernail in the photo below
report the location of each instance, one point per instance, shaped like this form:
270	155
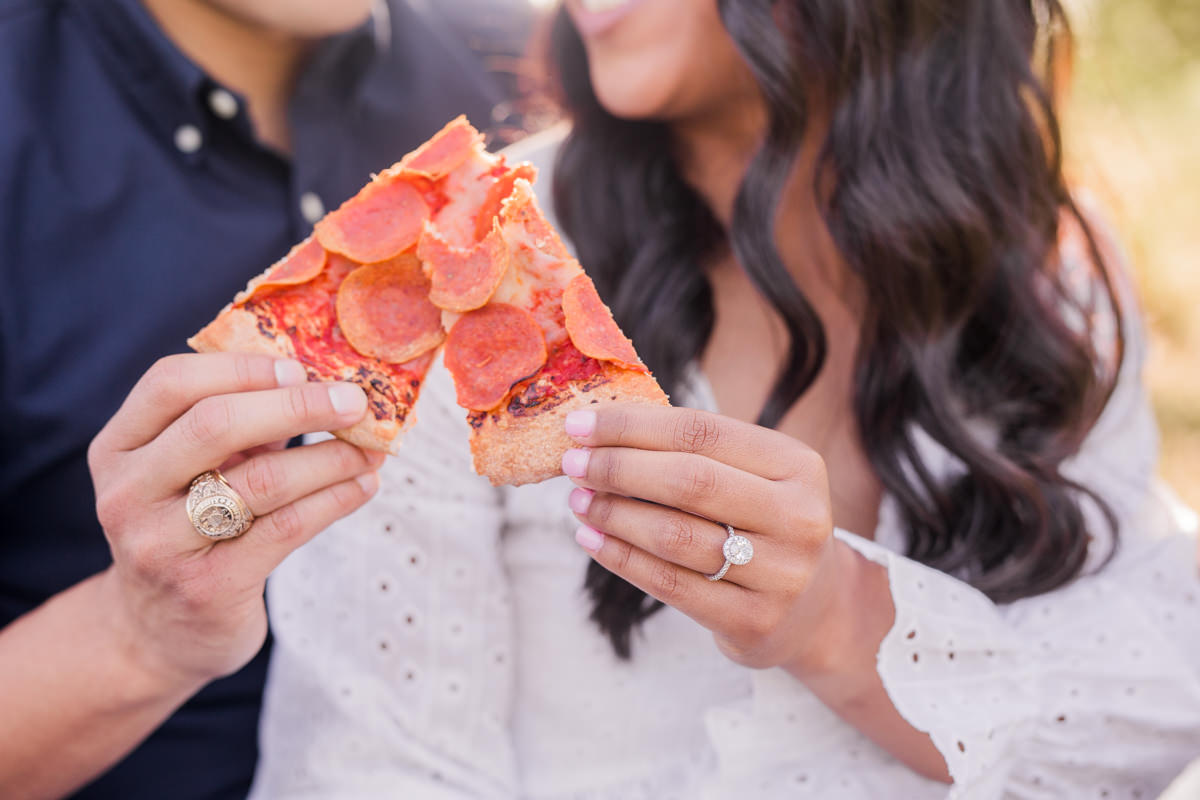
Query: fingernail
581	423
589	539
575	462
290	373
347	399
580	500
369	481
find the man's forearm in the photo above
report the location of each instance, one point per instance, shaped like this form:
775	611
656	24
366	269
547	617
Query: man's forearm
76	694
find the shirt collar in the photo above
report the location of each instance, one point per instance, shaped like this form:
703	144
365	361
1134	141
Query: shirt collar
171	91
162	82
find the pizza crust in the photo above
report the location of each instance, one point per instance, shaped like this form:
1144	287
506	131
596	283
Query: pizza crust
515	449
236	330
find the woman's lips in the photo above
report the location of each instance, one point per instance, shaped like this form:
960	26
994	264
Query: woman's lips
594	17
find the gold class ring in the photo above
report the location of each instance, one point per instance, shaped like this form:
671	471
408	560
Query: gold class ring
215	508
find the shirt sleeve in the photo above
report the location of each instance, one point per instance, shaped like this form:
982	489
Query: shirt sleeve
1092	690
391	674
1089	691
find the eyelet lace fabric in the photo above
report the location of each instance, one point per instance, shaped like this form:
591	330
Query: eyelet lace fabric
436	644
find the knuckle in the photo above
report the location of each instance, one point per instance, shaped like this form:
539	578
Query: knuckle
808	466
677	536
695	432
609	467
696	482
623	556
795	582
794	518
348	496
746	654
348	459
244	370
96	454
264	478
164	380
620	425
208	422
761	623
196	593
601	510
300	403
113	504
166	374
286	524
806	524
147	562
665	583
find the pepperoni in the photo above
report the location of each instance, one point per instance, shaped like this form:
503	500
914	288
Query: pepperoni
381	221
384	311
301	265
591	327
463	279
489	350
448	148
497	194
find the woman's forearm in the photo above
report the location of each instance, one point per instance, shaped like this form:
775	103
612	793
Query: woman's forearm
840	669
76	692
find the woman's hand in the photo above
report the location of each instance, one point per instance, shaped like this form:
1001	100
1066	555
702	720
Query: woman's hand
661	483
190	607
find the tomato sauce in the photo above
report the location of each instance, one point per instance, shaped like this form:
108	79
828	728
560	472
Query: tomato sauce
567	364
307	314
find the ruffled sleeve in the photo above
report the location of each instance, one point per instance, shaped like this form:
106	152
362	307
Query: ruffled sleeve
1092	690
1089	691
392	670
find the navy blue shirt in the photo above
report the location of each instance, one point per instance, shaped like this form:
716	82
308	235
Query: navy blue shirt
134	202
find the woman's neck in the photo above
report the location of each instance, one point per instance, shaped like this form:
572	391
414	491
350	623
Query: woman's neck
713	154
259	64
713	151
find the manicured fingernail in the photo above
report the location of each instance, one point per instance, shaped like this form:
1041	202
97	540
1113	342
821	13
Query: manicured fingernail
589	539
347	399
581	423
580	500
290	373
369	481
575	462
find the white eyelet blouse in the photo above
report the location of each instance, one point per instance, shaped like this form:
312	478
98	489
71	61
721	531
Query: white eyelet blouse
436	644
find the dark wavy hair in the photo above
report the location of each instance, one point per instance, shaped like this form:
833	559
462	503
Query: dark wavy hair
944	192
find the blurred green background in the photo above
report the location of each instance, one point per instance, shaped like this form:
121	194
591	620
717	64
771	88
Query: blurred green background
1132	123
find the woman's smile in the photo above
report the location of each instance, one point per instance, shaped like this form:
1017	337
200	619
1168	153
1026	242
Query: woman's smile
595	17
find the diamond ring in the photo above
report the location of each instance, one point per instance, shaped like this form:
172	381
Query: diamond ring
737	551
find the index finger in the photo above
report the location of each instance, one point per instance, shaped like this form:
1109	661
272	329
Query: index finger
751	448
176	383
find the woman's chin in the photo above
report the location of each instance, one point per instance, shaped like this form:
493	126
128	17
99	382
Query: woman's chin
626	93
624	106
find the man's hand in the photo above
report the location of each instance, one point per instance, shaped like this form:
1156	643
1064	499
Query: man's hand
192	606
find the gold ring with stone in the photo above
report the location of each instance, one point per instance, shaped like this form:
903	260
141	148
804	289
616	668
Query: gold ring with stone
215	508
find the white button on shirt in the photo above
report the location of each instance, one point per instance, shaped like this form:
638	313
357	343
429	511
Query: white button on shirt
188	138
223	103
311	207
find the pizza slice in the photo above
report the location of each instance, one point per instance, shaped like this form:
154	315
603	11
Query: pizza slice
447	250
